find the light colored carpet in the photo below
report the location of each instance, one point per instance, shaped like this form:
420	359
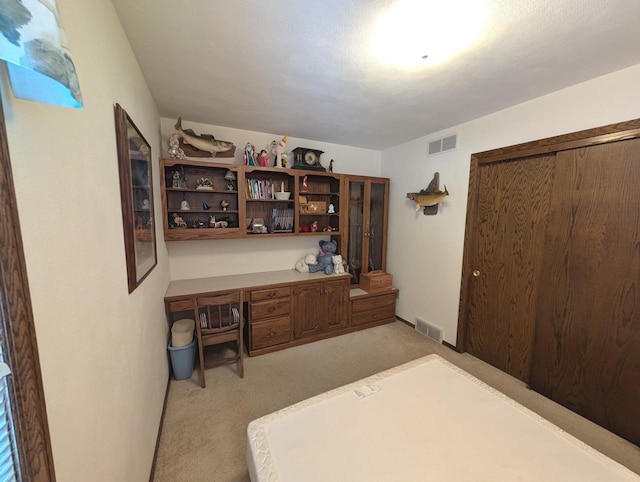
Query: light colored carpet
204	431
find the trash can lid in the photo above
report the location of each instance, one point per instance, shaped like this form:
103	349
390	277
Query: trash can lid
183	326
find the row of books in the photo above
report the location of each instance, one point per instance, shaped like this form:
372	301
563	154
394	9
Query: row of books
262	188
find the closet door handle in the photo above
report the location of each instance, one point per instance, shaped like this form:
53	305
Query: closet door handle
476	273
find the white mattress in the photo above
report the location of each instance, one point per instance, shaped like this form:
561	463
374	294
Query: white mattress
427	420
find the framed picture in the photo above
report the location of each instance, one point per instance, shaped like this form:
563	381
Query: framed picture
136	193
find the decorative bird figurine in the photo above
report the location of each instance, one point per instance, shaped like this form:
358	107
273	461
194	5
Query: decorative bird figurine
205	206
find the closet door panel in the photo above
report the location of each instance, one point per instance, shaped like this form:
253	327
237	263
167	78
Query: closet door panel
507	248
586	353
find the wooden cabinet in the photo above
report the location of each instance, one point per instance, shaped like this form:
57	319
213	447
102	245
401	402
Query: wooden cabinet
198	201
265	213
320	307
287	308
269	311
336	294
364	247
204	200
318	203
373	309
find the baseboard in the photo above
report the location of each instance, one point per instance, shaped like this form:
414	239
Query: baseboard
449	345
445	343
405	322
164	408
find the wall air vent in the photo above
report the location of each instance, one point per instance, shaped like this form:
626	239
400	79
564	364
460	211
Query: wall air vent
430	330
444	144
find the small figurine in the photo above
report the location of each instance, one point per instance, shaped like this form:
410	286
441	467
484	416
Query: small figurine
331	210
184	205
248	155
217	224
314	227
305	186
145	204
263	158
175	152
224	204
205	206
331	166
178	221
278	150
204	183
177	179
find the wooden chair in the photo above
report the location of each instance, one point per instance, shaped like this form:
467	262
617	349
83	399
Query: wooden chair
219	319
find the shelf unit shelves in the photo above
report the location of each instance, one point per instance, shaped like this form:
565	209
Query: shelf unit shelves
251	209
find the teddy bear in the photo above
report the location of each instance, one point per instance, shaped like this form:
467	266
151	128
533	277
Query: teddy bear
338	267
303	263
325	258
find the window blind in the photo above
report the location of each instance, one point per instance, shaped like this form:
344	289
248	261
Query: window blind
9	464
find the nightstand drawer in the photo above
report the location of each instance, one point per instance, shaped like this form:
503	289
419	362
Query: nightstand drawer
375	315
373	302
270	294
269	308
269	333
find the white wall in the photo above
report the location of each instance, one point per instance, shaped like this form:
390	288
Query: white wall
425	252
197	259
102	351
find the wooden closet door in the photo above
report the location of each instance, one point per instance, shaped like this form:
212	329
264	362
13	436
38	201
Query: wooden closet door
502	268
586	354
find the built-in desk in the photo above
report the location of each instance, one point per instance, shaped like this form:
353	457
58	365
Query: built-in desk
288	308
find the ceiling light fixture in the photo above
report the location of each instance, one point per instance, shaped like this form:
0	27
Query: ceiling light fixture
409	27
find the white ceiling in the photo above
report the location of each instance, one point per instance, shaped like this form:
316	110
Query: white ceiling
303	68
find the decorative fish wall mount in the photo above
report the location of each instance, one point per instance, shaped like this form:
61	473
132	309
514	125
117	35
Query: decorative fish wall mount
430	198
205	143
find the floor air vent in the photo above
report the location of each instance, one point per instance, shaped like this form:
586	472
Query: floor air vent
445	144
432	331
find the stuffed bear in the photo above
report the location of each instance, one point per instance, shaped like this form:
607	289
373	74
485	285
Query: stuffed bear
325	258
303	264
338	267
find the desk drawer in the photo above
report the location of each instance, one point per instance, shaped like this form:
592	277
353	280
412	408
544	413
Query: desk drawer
374	315
373	302
269	333
270	308
270	294
182	305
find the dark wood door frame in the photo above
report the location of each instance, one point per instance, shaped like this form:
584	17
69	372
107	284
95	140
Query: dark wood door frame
590	137
18	334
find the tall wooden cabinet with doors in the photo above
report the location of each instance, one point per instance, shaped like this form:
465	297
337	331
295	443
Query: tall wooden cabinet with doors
551	271
364	247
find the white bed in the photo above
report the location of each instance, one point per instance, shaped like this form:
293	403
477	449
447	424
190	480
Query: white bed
427	420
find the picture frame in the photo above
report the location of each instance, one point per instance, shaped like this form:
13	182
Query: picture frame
136	194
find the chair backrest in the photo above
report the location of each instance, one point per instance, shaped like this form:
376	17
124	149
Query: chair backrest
219	313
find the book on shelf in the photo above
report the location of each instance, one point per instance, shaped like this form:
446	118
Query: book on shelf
281	221
261	189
